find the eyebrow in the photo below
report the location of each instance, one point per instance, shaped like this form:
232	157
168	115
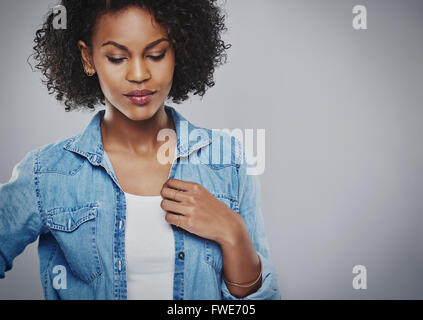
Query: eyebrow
122	47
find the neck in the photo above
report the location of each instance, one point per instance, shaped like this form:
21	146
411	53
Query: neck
139	137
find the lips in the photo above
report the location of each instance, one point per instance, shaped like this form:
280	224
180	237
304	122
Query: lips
139	93
140	97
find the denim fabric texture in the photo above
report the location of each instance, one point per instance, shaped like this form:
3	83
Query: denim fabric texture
66	193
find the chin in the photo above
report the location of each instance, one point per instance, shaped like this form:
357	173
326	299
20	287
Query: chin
142	112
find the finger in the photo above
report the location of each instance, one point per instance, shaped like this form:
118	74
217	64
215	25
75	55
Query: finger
176	219
179	184
173	194
169	205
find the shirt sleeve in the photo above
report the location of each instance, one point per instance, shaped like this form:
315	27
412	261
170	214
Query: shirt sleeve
20	222
250	210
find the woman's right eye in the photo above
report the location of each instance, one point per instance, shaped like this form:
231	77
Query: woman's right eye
115	60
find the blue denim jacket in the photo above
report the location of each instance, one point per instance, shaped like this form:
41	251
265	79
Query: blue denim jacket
66	193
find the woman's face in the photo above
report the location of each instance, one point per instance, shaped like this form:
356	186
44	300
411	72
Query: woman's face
131	52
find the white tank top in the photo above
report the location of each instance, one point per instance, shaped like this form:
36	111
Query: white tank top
149	249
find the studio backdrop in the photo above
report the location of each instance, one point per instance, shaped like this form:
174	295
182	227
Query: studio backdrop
335	89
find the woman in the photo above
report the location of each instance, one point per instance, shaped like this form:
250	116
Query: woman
115	220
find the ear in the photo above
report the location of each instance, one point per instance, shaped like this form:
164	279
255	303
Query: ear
86	57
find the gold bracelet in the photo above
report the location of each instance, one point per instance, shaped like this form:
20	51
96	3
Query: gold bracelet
248	284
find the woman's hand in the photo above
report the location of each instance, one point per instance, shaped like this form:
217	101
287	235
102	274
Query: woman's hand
192	207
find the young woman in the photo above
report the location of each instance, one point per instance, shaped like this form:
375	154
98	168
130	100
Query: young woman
114	220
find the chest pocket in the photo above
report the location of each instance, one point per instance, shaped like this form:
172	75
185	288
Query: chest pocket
75	231
213	252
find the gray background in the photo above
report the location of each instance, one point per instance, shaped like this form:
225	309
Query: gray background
342	111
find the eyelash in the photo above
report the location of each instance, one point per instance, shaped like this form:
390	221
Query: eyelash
117	61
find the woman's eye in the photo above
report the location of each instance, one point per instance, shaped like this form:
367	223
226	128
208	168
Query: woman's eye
115	60
119	60
156	58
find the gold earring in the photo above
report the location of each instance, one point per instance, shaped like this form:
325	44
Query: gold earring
89	73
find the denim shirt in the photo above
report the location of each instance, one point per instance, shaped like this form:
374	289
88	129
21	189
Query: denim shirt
67	194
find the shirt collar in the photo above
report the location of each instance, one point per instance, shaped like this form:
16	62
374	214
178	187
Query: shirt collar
89	143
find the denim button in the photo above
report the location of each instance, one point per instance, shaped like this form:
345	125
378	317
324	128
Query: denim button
181	255
96	159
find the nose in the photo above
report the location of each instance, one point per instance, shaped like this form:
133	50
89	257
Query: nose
138	71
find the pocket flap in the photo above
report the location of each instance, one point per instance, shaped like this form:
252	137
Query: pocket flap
70	220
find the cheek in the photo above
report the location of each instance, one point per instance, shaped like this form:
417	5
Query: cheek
109	79
164	74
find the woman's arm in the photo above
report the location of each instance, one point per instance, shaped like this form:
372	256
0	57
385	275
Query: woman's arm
20	221
247	240
241	263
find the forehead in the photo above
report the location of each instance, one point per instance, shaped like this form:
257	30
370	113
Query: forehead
132	26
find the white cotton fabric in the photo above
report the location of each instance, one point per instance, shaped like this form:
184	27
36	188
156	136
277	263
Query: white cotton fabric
149	249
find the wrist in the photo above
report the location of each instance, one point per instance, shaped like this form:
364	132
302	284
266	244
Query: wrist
234	232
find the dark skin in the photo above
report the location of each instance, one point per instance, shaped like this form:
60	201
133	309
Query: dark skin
129	135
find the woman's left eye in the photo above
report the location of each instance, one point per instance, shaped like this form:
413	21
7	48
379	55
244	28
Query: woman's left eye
115	60
156	58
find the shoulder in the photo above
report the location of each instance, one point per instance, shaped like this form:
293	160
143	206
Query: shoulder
54	158
225	147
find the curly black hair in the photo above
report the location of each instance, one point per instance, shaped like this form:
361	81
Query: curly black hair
194	28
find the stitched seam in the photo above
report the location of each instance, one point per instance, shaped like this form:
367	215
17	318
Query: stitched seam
70	173
50	259
91	205
37	190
